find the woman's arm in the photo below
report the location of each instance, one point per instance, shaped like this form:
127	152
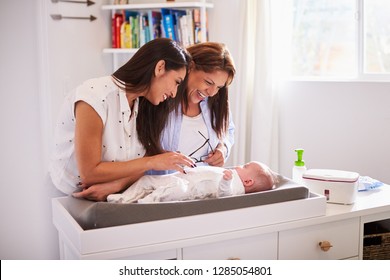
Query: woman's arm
95	173
100	192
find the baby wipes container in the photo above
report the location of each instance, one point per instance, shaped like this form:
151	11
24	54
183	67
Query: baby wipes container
336	185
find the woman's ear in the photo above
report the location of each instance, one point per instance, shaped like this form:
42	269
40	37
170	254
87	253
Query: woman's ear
160	68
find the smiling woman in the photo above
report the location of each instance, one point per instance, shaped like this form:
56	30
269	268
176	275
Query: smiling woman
104	129
202	107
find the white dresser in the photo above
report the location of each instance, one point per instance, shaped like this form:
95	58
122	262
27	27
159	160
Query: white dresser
336	234
340	232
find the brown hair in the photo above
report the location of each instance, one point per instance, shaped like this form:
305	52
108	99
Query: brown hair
209	57
135	76
265	179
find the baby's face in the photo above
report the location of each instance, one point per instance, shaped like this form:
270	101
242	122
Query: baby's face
249	170
259	173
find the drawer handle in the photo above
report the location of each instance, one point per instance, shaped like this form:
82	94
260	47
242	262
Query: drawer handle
325	245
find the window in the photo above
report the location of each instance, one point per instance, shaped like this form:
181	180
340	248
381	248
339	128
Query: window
376	37
343	39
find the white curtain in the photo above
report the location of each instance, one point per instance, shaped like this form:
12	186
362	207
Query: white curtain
255	106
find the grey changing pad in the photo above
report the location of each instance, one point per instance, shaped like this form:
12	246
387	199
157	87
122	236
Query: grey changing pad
93	215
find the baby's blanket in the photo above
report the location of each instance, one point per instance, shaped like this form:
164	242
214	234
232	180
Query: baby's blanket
198	183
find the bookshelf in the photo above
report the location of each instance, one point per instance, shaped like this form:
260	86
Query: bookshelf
202	5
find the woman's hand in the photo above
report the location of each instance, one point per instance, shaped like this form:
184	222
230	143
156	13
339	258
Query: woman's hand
218	157
99	192
170	161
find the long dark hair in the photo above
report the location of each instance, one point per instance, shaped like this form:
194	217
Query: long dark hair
136	75
209	57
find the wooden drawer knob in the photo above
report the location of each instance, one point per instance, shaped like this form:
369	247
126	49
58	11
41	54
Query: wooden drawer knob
325	245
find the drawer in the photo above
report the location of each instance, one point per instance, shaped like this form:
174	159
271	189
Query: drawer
247	248
303	243
68	252
163	255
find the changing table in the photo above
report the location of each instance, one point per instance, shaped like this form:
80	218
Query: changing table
296	229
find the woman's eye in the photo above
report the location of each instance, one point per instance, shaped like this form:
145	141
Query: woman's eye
208	83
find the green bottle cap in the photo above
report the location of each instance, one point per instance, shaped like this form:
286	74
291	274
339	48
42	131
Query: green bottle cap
299	162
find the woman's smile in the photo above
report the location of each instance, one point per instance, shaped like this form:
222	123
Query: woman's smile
203	96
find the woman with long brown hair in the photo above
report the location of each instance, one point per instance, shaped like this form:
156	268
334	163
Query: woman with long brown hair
106	135
200	124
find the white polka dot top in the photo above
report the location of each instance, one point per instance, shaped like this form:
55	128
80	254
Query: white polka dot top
120	141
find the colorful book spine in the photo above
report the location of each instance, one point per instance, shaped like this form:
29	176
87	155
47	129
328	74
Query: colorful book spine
176	15
113	32
132	29
154	24
126	35
117	24
197	26
167	20
133	18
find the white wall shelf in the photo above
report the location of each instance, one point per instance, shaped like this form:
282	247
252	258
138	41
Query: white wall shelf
145	6
119	50
202	5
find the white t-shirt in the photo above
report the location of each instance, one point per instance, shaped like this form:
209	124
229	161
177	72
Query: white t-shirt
193	139
119	140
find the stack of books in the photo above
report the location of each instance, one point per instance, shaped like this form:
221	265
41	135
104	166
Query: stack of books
132	29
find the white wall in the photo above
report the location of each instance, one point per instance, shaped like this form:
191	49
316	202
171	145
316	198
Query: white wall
75	47
341	125
25	231
40	60
224	27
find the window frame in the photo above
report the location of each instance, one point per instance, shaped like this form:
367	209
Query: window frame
360	76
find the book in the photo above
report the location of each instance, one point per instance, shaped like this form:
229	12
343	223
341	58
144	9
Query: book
135	32
184	31
116	29
144	29
167	21
163	35
190	28
197	26
125	35
186	28
132	29
113	38
133	18
154	18
176	15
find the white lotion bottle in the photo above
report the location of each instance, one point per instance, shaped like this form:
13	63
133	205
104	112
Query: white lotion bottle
299	167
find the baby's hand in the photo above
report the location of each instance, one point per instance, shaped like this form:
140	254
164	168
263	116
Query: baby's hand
227	174
225	188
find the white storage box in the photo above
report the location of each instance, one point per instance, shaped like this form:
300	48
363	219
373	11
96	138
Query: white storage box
336	185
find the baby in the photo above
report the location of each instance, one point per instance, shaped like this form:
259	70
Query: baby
199	183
